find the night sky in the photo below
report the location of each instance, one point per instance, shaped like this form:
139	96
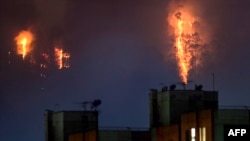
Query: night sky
119	50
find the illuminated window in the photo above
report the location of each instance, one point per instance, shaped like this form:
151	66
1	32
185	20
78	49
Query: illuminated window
202	134
193	135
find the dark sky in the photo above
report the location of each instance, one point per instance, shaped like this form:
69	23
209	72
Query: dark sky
118	52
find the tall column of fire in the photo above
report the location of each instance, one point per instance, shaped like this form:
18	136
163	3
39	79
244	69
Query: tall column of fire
24	41
187	41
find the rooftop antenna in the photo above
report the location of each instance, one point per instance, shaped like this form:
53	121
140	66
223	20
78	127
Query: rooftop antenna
84	104
90	105
213	81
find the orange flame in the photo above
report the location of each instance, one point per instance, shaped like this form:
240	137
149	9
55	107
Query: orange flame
186	40
62	58
59	56
23	41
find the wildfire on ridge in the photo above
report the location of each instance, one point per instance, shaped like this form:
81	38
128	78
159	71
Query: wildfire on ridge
24	41
62	58
186	40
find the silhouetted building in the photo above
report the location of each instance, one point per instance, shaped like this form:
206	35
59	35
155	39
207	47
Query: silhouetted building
175	115
113	134
83	126
191	115
59	125
166	107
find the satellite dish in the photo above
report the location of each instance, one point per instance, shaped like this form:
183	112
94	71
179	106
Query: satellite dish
172	87
96	103
198	87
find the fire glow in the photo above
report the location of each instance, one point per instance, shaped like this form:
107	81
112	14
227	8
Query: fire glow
24	41
62	58
187	41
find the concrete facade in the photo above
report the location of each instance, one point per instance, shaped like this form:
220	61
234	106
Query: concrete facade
166	107
90	135
191	115
111	135
167	133
175	115
225	117
59	125
115	135
209	124
201	122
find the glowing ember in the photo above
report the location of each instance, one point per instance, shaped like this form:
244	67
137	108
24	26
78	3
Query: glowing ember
46	57
62	58
43	68
9	53
186	40
23	41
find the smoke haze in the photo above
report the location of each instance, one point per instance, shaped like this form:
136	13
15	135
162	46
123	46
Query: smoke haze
117	55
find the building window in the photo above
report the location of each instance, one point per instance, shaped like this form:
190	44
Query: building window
193	134
202	133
